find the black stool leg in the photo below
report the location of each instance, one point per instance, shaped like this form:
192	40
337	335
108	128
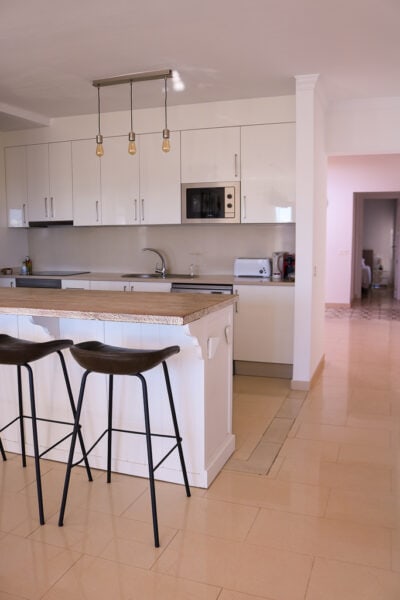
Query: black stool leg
73	408
72	448
150	460
109	428
3	454
35	444
176	428
21	416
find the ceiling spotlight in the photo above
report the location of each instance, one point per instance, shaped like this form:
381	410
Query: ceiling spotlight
177	82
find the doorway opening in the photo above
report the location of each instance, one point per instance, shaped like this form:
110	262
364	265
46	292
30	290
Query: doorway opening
376	244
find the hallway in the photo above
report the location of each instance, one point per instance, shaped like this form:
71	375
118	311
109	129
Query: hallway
323	524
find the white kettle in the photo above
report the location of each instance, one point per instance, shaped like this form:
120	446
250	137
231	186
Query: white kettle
277	265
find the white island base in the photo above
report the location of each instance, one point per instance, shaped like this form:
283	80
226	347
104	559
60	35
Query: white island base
201	380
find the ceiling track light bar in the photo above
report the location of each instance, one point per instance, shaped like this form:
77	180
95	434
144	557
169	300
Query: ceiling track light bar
133	77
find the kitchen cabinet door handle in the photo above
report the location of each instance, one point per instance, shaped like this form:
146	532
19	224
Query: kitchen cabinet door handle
24	213
142	209
97	211
135	206
244	207
46	213
132	289
51	206
236	165
125	288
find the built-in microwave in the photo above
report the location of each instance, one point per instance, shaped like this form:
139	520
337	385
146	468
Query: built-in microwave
211	202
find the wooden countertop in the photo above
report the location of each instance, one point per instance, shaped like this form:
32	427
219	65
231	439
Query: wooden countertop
137	307
203	278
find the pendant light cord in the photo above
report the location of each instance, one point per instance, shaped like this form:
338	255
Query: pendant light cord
131	105
98	105
165	101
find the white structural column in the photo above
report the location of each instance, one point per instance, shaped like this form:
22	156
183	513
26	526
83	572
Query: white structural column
310	232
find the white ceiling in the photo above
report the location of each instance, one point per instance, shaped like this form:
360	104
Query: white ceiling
51	50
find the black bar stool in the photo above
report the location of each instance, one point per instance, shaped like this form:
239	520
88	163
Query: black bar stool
18	352
101	358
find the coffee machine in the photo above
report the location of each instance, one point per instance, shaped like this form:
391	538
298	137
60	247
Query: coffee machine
289	262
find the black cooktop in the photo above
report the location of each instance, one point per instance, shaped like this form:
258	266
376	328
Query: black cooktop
58	273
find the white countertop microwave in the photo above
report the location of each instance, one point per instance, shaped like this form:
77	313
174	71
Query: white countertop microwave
211	202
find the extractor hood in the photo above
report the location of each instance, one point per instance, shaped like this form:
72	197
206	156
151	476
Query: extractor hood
50	223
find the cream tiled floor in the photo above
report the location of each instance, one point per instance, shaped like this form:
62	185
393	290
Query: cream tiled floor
322	524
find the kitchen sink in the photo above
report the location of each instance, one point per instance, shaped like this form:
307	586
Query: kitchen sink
157	276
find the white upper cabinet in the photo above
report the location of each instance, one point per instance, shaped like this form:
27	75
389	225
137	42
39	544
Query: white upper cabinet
159	180
211	155
119	183
49	181
268	163
16	186
86	183
143	189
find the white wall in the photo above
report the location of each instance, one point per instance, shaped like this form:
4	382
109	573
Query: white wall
310	232
193	116
347	175
109	249
363	141
361	127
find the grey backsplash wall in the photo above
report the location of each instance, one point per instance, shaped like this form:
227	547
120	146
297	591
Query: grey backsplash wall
108	249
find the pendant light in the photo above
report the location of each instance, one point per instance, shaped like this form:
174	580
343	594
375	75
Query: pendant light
131	79
166	147
99	137
131	137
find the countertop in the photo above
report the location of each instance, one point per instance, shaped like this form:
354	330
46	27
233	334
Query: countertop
140	307
203	278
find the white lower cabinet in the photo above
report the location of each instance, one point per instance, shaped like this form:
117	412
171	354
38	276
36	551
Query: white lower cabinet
264	321
131	286
7	282
75	284
152	286
111	286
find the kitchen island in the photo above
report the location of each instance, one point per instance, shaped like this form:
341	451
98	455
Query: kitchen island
201	374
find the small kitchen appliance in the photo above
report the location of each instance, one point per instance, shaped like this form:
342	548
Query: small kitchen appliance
252	267
211	202
277	265
289	262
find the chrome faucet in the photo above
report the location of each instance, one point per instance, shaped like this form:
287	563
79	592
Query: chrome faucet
159	270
